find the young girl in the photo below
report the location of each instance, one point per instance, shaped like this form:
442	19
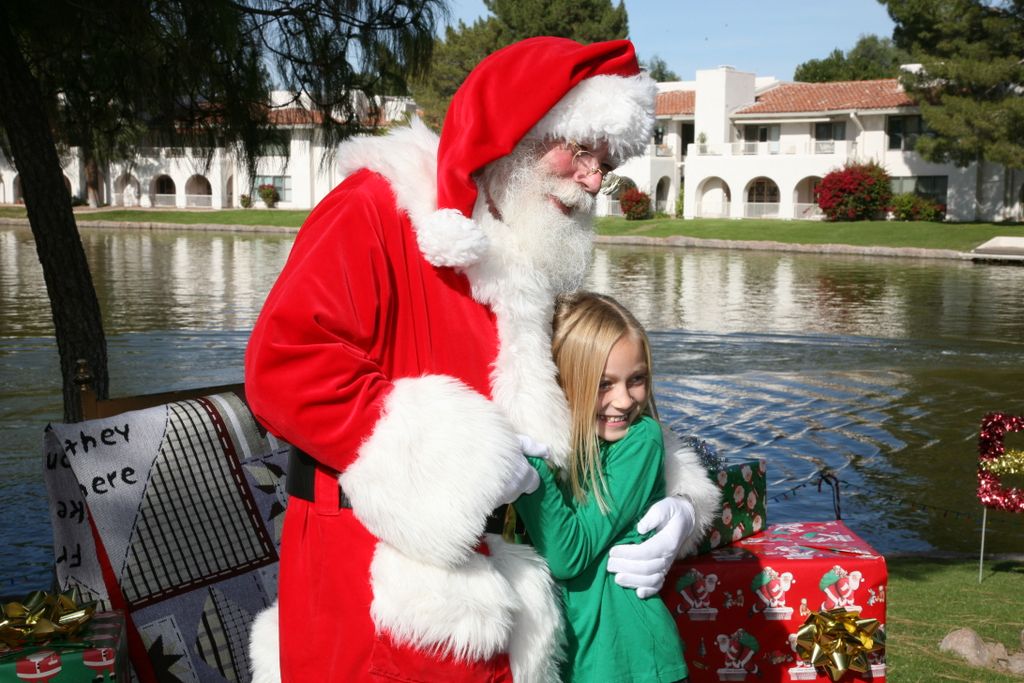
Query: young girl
614	474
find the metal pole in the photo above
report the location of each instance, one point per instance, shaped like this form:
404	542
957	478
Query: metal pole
981	557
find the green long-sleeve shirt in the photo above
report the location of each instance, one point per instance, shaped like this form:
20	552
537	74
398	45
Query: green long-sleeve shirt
613	636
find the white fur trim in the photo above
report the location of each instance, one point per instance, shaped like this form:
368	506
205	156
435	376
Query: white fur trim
617	109
264	647
447	238
685	476
432	470
523	380
537	646
463	611
407	157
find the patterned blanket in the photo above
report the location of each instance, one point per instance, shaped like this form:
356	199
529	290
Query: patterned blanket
172	514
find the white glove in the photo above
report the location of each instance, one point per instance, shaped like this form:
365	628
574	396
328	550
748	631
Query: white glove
524	479
643	566
532	448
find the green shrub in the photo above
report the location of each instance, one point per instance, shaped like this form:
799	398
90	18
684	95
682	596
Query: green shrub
245	201
912	207
679	204
856	192
635	205
268	193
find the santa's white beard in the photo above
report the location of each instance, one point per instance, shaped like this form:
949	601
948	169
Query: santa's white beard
533	231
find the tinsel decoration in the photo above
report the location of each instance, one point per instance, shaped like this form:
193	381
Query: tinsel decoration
1012	462
706	452
991	465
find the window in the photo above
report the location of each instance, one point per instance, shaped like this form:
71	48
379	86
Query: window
689	136
755	134
283	183
903	131
932	186
825	135
763	191
830	130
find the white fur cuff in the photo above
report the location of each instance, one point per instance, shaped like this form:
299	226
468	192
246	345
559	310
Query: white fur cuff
432	470
685	476
264	647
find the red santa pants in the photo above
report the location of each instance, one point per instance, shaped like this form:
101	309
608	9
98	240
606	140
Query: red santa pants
325	596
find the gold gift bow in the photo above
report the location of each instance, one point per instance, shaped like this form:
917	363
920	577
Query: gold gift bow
838	641
42	616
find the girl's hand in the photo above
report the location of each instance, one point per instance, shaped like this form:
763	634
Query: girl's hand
643	566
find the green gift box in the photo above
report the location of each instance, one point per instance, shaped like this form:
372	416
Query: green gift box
99	652
744	511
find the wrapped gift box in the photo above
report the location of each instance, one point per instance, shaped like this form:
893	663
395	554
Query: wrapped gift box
744	512
97	653
738	608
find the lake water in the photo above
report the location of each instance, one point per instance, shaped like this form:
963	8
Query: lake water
878	370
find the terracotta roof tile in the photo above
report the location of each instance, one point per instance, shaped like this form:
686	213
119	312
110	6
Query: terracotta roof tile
294	116
675	102
838	96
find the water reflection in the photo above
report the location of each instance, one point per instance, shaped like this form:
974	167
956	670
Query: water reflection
876	368
769	292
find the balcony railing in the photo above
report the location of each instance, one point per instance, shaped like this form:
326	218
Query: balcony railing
614	209
747	147
199	201
165	200
761	210
808	147
713	209
807	212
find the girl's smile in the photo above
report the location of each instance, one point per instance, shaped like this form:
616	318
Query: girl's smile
622	393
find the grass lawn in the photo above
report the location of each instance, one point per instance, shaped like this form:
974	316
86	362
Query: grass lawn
927	599
277	217
955	236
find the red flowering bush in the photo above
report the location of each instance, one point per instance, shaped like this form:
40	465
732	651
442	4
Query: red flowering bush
635	205
855	192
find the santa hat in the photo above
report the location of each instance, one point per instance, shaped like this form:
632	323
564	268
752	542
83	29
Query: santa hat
543	88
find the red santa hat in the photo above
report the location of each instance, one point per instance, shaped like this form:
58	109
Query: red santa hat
543	88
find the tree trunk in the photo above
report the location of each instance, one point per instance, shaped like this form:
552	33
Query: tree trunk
92	179
77	322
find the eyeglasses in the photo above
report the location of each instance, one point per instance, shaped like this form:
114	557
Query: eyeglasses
584	159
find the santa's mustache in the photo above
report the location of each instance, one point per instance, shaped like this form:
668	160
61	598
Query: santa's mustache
571	195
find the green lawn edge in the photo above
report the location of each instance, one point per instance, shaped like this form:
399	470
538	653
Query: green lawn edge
928	598
922	235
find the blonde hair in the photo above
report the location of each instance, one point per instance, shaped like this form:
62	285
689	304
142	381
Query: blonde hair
585	328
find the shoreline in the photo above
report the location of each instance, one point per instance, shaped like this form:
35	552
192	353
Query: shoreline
629	240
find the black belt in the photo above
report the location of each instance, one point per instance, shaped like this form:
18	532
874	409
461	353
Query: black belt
302	475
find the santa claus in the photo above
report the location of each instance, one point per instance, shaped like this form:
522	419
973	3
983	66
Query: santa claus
405	351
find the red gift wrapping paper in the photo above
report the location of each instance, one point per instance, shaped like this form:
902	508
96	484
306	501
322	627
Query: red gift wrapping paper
98	653
738	608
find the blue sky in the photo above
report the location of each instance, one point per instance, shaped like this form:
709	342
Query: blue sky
765	38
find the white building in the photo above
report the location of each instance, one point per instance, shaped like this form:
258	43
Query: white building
737	144
190	177
742	146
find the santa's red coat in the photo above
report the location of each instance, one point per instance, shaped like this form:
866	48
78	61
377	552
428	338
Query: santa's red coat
355	311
